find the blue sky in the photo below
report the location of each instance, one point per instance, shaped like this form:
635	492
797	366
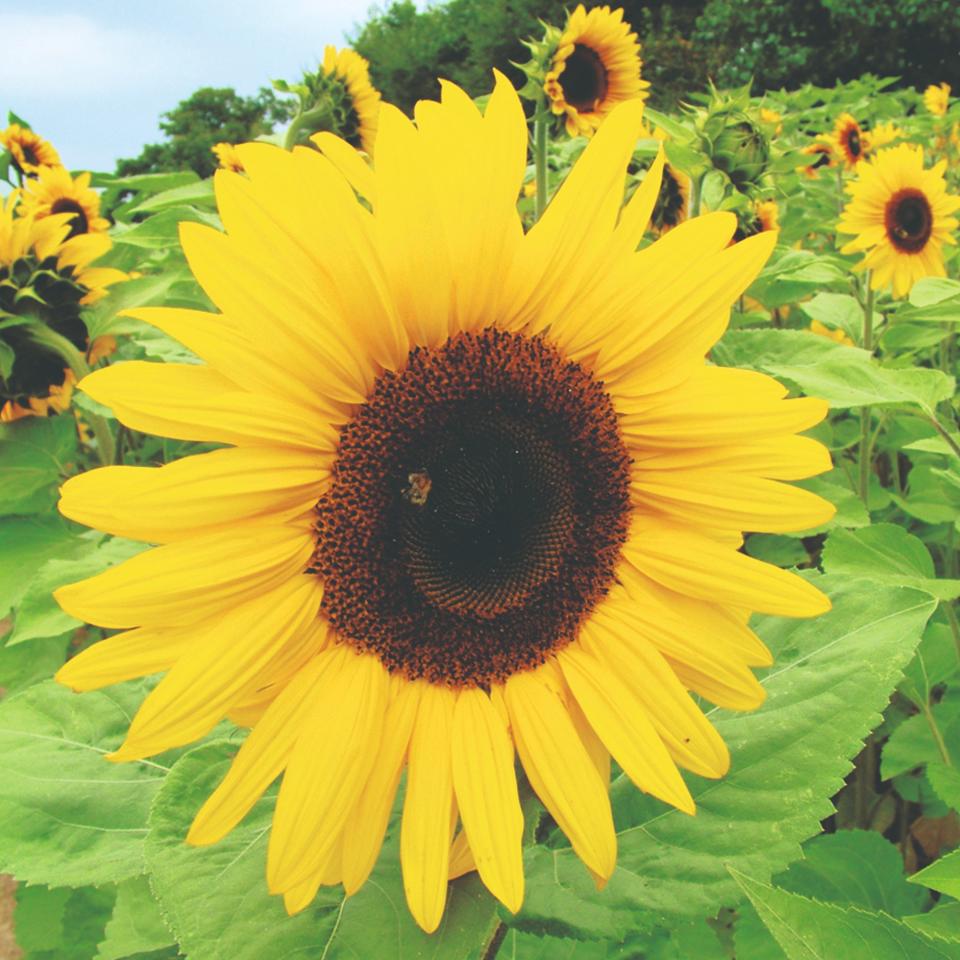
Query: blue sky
94	77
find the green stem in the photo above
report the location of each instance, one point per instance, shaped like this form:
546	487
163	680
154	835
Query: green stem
77	362
937	736
865	439
540	162
495	942
945	433
954	625
696	193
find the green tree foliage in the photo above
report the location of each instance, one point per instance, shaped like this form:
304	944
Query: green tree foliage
206	117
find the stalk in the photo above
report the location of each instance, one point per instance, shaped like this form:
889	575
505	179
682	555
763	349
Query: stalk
865	440
540	161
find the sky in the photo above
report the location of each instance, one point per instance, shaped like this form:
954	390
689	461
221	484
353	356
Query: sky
94	77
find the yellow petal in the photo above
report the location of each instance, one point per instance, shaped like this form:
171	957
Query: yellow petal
328	767
560	769
623	724
426	831
486	788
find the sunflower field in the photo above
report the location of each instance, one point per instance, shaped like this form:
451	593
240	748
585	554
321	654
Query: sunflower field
527	528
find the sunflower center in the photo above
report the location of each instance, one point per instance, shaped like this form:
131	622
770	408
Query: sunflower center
584	79
909	220
80	223
29	155
476	512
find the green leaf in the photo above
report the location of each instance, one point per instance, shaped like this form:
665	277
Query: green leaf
35	454
942	921
136	925
934	663
26	543
7	357
930	290
163	229
200	192
913	744
67	816
946	784
38	614
834	487
932	300
106	317
843	376
832	678
942	875
838	311
61	924
858	867
21	667
811	930
782	551
887	553
929	496
216	901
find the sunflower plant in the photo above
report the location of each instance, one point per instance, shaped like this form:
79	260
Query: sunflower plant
479	535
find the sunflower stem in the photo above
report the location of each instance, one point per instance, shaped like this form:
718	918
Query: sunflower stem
495	942
696	191
865	438
945	433
937	735
540	162
50	340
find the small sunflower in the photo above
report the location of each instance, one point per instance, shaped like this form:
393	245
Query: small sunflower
53	191
57	401
850	141
821	155
29	151
901	214
360	106
763	217
227	157
596	66
45	274
936	98
467	515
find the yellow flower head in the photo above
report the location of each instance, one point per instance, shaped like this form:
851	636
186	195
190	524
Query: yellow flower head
481	498
835	334
54	191
46	275
763	217
936	98
358	126
772	118
821	155
850	142
29	151
901	214
884	134
596	66
227	157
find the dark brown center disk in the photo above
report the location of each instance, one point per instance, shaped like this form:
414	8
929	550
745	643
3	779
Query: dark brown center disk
477	509
584	79
909	220
79	224
853	142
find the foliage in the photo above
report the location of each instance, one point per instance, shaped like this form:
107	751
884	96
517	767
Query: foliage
208	116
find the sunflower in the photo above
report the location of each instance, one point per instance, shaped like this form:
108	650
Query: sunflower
45	275
227	157
885	133
673	200
467	512
358	107
57	401
821	155
831	333
29	151
54	191
850	141
596	66
936	98
901	214
763	217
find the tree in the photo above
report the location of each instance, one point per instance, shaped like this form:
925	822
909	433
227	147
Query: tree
208	116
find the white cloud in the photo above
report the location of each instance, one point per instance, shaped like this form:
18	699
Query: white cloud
70	55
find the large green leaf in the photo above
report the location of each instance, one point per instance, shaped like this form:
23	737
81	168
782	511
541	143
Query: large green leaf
942	875
811	930
832	678
843	376
886	552
35	456
136	925
61	924
67	816
216	901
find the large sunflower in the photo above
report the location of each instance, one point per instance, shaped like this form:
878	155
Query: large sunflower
361	102
484	495
595	67
54	191
29	151
901	214
850	141
45	277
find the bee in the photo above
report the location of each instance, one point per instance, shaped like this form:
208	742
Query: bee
418	488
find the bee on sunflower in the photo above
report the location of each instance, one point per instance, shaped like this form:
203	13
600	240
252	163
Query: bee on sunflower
29	151
46	276
901	214
463	515
594	65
